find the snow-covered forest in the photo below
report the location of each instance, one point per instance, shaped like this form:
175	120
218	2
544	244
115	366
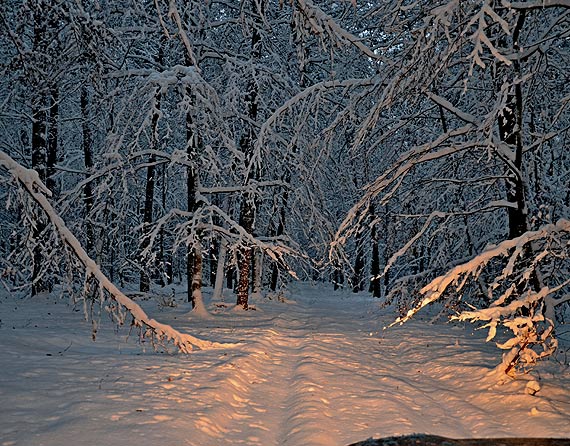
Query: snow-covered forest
413	152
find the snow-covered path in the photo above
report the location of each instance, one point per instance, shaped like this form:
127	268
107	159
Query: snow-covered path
316	371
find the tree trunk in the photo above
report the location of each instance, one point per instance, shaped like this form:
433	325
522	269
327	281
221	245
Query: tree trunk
338	276
164	259
244	263
510	131
274	276
230	277
221	265
194	258
194	267
213	261
357	276
245	253
52	137
39	155
197	300
387	244
280	231
88	161
39	149
375	287
144	283
247	143
257	273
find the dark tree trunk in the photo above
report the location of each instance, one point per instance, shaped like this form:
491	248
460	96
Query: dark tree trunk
230	277
510	134
254	268
387	244
375	287
144	284
191	185
164	259
213	261
244	263
386	282
193	147
357	276
148	212
245	255
52	137
194	255
193	259
215	246
257	275
39	158
39	143
197	269
510	131
274	277
39	149
88	161
338	277
247	143
279	232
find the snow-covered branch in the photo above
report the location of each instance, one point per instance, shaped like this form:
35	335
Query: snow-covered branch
29	179
524	304
434	290
320	22
449	107
391	179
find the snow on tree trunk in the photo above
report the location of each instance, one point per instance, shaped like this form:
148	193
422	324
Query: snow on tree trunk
219	285
257	273
198	306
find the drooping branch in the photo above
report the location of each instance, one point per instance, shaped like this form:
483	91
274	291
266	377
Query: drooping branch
435	289
526	310
389	182
30	181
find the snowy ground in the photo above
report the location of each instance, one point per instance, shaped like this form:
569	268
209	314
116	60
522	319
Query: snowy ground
317	370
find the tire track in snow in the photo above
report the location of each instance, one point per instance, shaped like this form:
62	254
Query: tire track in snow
334	382
273	394
306	417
